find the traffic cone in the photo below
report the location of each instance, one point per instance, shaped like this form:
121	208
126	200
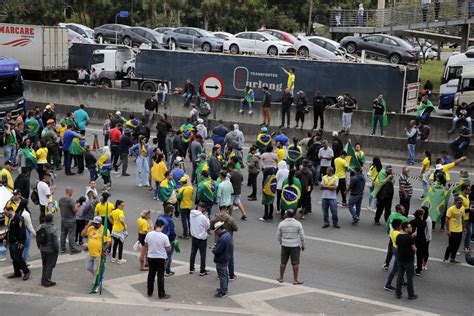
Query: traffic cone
95	146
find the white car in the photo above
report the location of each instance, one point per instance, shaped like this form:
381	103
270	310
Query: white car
258	43
316	46
430	53
74	37
223	35
82	30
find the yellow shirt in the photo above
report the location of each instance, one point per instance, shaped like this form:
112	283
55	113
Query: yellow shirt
280	154
143	150
185	193
466	205
456	216
158	171
116	215
14	207
425	164
291	81
8	175
393	236
42	155
341	165
143	226
94	240
446	168
100	208
373	173
61	129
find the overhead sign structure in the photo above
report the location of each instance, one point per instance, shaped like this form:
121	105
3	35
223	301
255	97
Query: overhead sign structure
212	87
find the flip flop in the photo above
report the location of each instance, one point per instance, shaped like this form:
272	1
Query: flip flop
280	280
298	283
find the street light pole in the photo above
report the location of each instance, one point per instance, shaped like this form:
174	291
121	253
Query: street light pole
116	17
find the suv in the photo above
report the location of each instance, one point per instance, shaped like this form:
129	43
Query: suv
393	48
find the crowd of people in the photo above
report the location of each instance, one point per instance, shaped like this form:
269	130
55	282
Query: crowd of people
206	195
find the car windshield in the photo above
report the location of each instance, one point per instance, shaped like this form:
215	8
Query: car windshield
90	33
11	86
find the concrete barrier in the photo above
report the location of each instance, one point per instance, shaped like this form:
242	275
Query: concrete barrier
100	101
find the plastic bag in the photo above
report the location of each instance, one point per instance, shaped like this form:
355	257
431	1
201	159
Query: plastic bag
137	246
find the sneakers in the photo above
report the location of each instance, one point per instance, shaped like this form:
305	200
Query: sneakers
241	111
453	261
169	274
232	279
262	219
244	217
425	267
445	262
385	267
250	112
418	273
205	272
325	225
220	295
389	288
121	261
191	271
414	297
113	260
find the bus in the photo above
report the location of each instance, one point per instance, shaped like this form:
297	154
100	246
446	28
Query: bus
455	66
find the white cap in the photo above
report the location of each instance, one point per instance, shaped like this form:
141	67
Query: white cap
218	225
118	113
335	134
200	120
439	166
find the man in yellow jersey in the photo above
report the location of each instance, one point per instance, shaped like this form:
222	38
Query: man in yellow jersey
341	165
6	176
396	224
290	85
466	203
454	229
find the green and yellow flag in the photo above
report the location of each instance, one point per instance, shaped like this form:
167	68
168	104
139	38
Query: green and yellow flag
97	286
437	200
351	156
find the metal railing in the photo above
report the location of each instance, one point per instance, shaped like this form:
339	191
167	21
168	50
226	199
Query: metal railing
445	11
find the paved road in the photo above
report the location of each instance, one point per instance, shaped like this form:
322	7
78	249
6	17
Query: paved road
341	270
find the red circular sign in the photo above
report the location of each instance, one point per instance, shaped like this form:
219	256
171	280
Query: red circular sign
212	87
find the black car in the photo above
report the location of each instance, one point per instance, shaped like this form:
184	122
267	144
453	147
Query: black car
393	48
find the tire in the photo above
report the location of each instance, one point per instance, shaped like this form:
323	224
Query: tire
148	86
351	47
106	83
395	59
100	38
206	47
272	51
171	44
303	52
234	49
127	41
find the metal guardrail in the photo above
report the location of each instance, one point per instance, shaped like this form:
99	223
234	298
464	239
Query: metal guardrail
446	11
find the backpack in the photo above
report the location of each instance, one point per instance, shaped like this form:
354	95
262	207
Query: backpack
204	109
42	236
35	196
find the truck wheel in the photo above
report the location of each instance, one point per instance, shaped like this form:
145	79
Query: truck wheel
127	41
395	59
106	83
206	47
351	48
272	51
234	49
148	86
303	52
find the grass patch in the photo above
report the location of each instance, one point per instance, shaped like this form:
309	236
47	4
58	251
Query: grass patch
431	70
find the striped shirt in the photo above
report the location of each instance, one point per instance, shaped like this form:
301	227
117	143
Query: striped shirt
291	233
405	185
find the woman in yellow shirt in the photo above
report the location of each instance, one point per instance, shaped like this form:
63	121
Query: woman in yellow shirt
119	230
143	227
103	207
158	173
425	172
41	158
372	174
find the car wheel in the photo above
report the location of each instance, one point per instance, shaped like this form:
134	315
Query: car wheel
106	83
172	44
127	41
234	49
272	51
395	59
100	38
351	47
303	52
148	86
206	47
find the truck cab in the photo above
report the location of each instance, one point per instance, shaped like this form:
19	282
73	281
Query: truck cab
465	90
112	63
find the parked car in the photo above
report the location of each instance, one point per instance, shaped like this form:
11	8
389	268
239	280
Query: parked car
393	48
314	46
82	30
223	35
282	36
162	31
148	36
430	53
113	33
191	37
257	42
74	37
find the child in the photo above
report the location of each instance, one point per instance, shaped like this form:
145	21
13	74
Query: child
91	163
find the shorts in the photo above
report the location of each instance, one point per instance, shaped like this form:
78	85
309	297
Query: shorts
235	199
293	252
141	239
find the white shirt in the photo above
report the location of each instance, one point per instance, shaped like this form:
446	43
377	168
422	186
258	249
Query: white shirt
325	155
330	194
27	218
43	192
157	243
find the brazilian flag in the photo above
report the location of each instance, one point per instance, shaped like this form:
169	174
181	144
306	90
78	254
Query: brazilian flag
187	132
30	158
269	190
437	200
76	147
202	166
97	286
351	156
290	195
263	140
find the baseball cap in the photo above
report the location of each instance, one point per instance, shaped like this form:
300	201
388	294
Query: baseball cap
118	113
335	134
218	225
457	200
48	106
183	179
97	220
16	192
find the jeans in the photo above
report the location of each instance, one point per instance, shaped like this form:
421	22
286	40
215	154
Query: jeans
466	119
26	247
346	121
187	97
453	246
285	112
244	102
67	161
394	269
185	220
360	20
231	264
223	275
157	189
355	203
10	153
92	264
169	261
253	183
161	97
316	172
458	147
411	153
201	245
409	269
123	162
92	174
142	172
468	235
425	183
48	260
405	202
68	228
379	119
156	267
19	265
389	256
329	204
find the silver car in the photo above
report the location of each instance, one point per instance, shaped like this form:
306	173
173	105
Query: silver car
192	37
311	47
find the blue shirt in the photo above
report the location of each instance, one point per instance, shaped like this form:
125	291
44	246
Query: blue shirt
68	137
223	248
178	173
357	184
168	228
82	118
281	138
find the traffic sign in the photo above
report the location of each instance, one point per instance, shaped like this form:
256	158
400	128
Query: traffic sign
212	87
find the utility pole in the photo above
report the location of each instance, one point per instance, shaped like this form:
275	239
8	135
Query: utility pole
310	17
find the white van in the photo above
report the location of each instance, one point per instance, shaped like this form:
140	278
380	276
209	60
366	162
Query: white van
465	90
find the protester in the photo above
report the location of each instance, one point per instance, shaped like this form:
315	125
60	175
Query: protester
348	109
188	92
249	99
454	229
325	154
290	85
393	249
419	233
286	102
236	178
379	115
412	134
292	240
301	108
424	110
405	189
151	107
82	118
199	222
124	151
266	106
466	203
119	231
144	226
305	175
22	182
341	165
319	106
356	187
16	241
219	133
384	194
405	261
47	240
185	198
329	186
139	150
45	193
222	253
106	128
224	191
462	141
253	165
68	209
463	112
425	172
